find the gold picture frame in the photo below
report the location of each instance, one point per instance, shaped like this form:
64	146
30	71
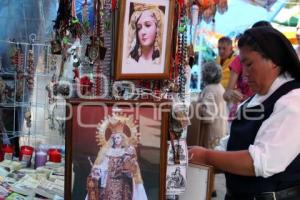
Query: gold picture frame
91	124
144	52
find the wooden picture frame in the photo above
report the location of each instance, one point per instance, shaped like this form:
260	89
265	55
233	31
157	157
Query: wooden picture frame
154	19
200	182
90	126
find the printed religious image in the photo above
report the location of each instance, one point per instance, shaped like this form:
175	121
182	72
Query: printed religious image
177	150
143	45
116	174
116	153
146	29
176	179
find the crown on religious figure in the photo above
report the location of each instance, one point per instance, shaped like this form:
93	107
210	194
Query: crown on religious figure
142	6
118	123
116	127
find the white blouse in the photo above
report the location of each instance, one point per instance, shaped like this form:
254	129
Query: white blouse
277	142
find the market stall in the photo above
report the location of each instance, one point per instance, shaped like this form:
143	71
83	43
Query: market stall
95	100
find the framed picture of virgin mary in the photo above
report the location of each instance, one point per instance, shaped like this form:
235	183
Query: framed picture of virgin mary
116	150
144	39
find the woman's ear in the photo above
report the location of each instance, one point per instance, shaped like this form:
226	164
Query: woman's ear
275	67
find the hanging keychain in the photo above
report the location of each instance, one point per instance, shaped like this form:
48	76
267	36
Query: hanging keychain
30	63
174	137
107	44
98	37
17	60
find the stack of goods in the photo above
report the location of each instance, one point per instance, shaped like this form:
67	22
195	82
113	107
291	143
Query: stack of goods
46	182
36	174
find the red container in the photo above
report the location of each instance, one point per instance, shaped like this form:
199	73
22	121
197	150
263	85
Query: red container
8	152
26	154
54	155
1	153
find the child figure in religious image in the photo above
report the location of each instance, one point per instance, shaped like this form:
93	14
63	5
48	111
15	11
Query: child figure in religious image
145	34
116	169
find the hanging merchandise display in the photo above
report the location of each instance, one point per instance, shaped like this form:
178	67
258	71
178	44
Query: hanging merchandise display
97	49
205	9
102	68
91	54
66	41
17	61
30	70
27	67
97	43
182	52
108	24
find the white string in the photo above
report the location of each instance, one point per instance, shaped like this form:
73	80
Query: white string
25	43
288	2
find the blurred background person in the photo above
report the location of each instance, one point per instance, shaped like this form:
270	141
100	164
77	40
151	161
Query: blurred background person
212	111
298	39
226	55
261	157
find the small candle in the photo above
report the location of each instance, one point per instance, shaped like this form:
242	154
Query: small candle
1	153
40	158
195	14
26	154
8	152
54	155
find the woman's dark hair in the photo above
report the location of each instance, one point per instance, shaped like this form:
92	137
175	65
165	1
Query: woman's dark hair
273	45
261	24
249	42
225	40
135	51
155	54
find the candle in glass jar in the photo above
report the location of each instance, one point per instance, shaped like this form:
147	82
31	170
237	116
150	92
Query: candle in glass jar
40	158
26	154
8	152
54	155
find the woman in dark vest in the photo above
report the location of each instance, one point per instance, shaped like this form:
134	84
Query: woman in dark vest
260	157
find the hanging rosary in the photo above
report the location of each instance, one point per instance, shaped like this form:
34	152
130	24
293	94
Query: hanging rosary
182	52
17	59
107	35
101	50
30	65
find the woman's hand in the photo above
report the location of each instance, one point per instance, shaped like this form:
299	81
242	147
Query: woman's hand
234	96
235	162
197	154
